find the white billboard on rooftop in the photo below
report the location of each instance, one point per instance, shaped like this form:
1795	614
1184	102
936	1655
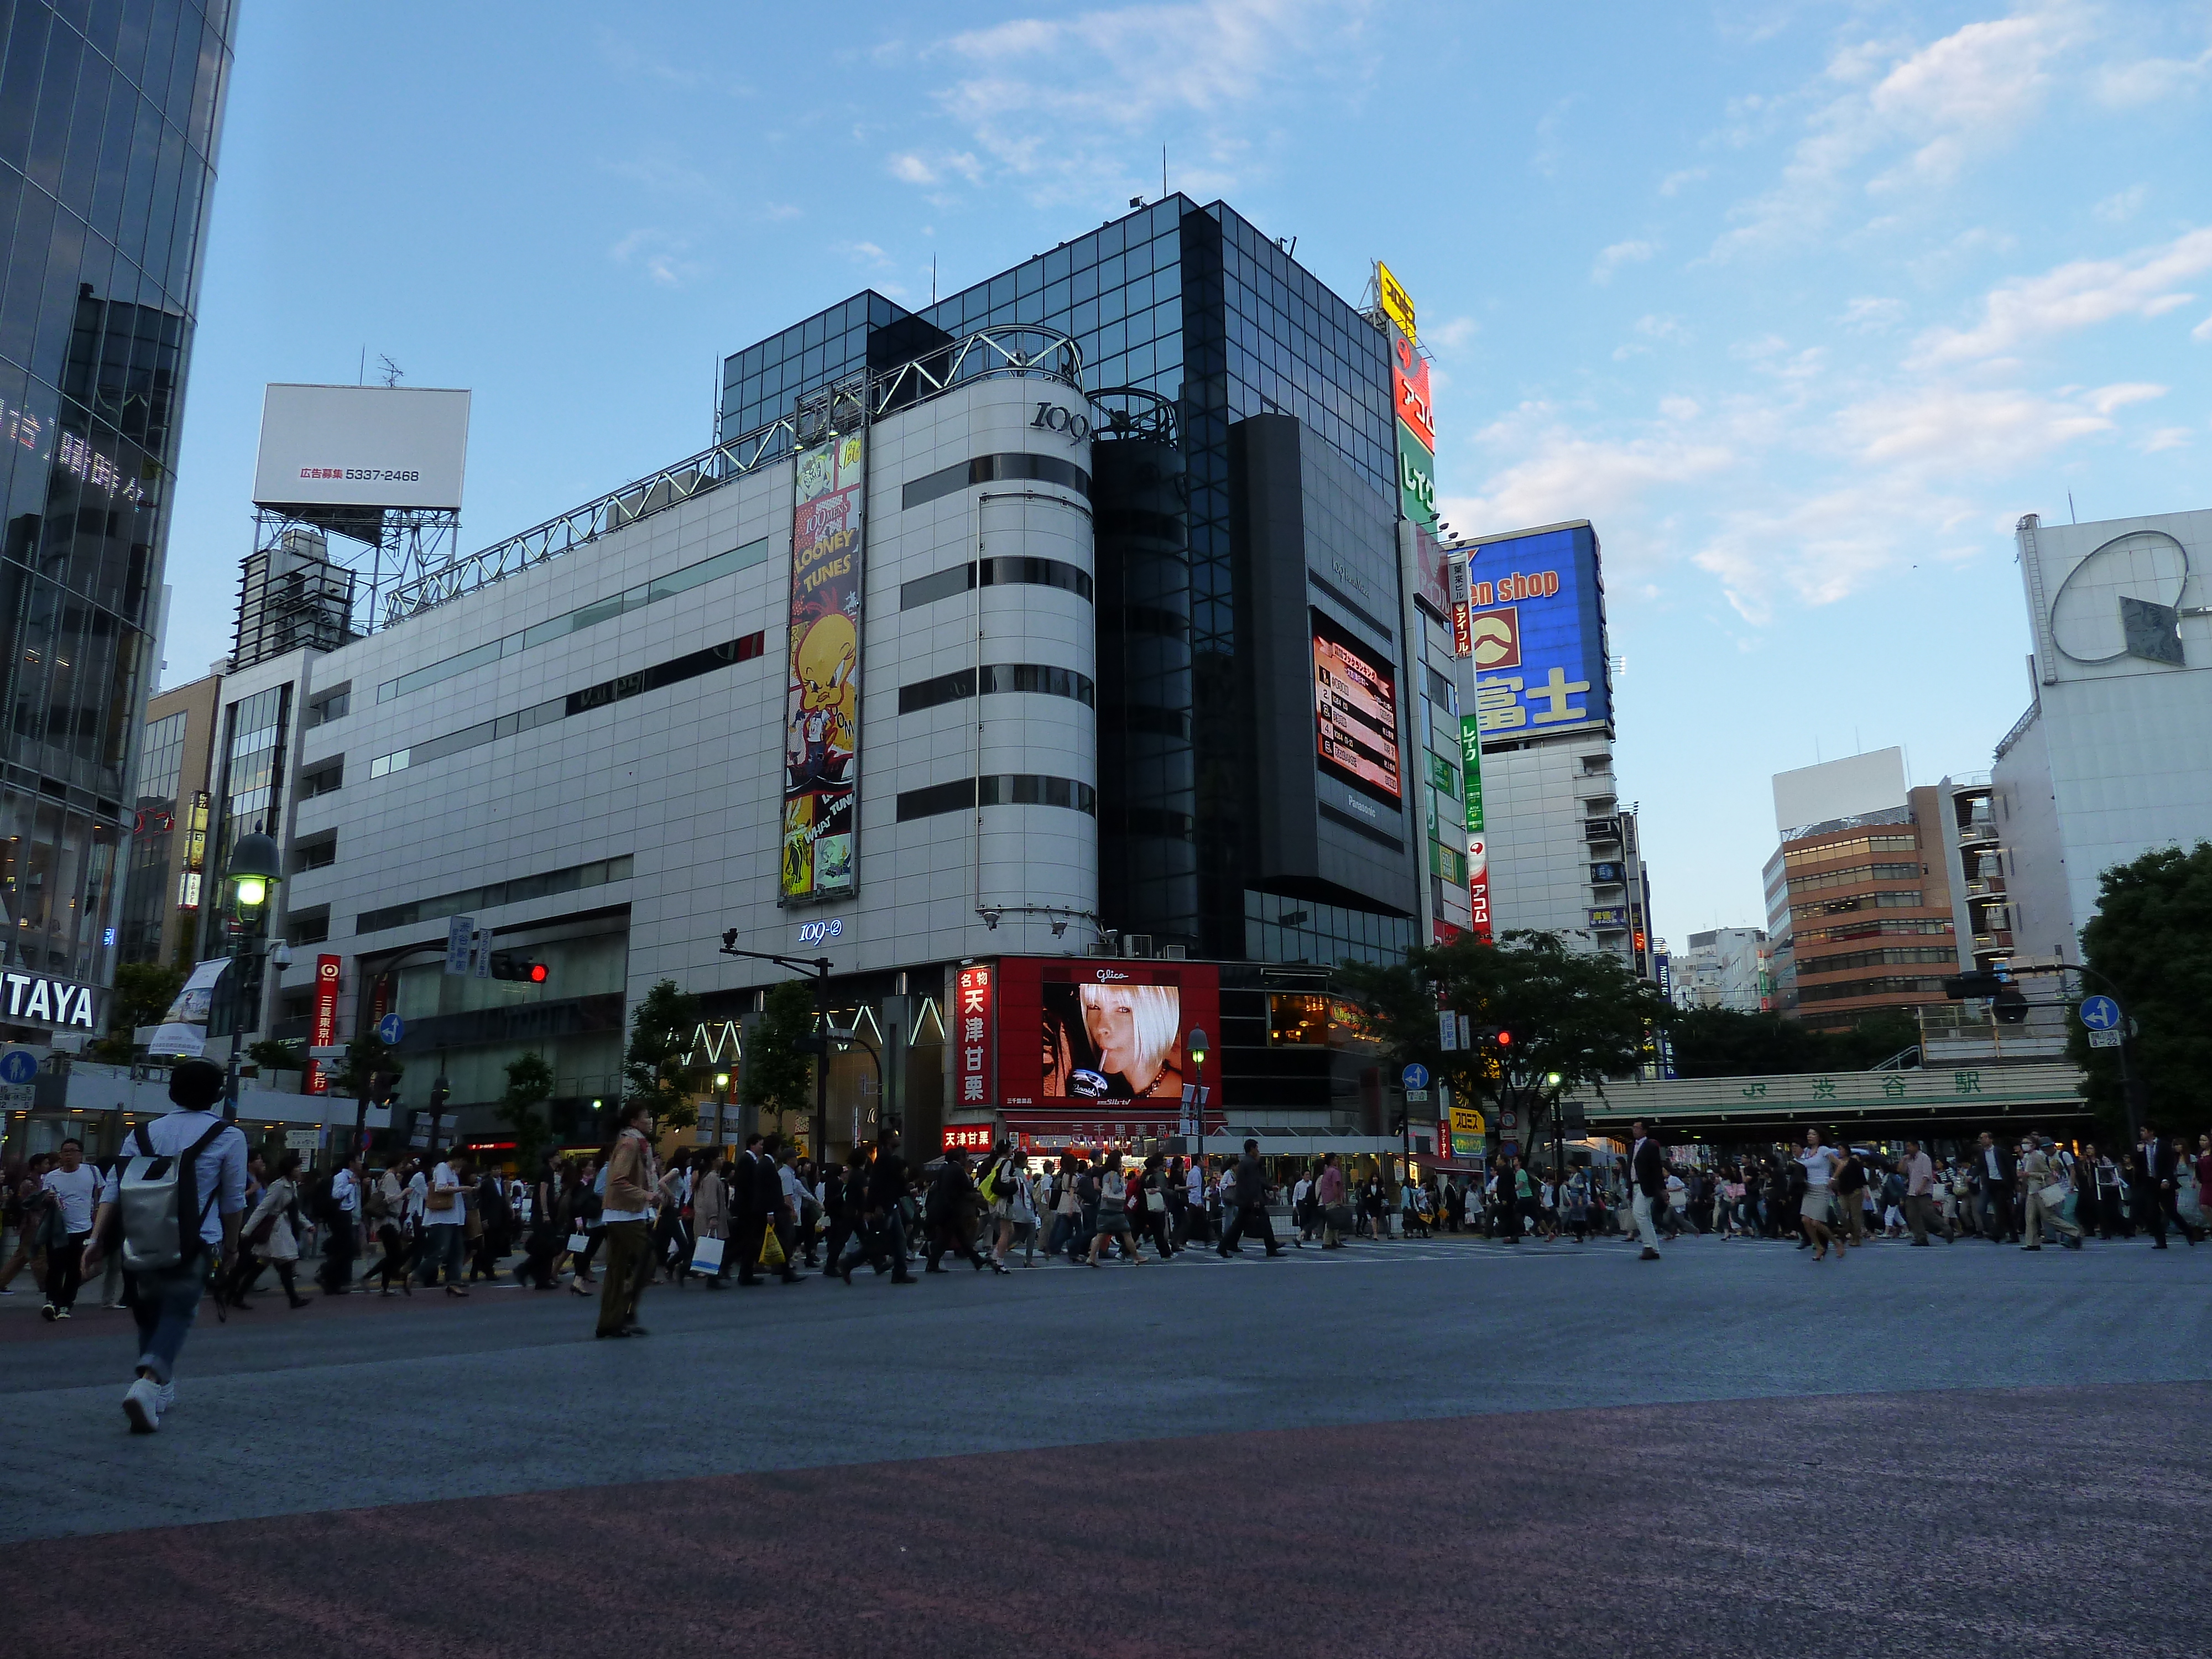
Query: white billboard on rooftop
363	446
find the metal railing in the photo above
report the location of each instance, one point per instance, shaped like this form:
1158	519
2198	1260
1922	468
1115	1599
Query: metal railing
1019	350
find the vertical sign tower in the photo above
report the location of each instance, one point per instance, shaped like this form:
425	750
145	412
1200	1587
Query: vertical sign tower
822	705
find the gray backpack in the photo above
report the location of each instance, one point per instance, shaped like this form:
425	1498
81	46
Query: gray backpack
162	1208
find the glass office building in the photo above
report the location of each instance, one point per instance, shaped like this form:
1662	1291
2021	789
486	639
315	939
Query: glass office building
110	114
1194	306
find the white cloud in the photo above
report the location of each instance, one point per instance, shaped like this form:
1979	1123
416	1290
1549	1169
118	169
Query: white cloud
659	254
1675	183
2202	333
2168	437
1948	433
1559	473
2147	80
1451	334
1870	315
1057	101
1620	253
2079	294
2121	205
913	169
1929	113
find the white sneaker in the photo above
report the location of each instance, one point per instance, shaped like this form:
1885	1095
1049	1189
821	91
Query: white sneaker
142	1404
167	1399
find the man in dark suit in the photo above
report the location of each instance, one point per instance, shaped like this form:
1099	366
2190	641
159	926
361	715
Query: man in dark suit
1647	1174
758	1198
1996	1173
2154	1189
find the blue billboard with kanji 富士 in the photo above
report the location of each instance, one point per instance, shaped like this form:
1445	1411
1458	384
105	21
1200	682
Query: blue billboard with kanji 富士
1537	613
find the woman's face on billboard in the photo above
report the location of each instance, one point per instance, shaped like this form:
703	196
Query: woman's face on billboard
1111	1019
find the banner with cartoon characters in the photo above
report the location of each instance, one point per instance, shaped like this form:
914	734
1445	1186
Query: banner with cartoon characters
822	704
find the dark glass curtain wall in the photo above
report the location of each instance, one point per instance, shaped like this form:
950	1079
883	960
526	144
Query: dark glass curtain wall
110	113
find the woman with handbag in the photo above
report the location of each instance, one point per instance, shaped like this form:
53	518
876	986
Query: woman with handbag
542	1247
580	1209
1151	1215
710	1218
28	1207
447	1219
1328	1194
387	1213
1114	1215
270	1235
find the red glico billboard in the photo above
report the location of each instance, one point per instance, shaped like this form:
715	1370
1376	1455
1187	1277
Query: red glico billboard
1092	1049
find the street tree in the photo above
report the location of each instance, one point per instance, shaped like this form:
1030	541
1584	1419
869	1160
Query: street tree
529	1084
142	994
777	1074
1736	1043
1574	1018
657	1066
365	1056
2150	945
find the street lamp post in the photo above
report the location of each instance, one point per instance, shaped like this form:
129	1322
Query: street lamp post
256	865
850	1036
1199	1046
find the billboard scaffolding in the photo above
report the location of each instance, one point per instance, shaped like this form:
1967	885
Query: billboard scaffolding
365	482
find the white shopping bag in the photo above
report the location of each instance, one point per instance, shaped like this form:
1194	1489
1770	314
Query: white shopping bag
706	1256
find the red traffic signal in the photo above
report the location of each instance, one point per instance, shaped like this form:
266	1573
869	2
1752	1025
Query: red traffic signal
513	964
1505	1039
538	973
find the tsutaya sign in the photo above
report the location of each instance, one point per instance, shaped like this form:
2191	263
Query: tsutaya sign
35	1000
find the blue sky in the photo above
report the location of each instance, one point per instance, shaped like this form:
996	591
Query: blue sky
1802	304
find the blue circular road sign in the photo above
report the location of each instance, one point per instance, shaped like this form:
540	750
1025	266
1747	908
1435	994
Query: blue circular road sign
2100	1014
18	1066
391	1027
1417	1076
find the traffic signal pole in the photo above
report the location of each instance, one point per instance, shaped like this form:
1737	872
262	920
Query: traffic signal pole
819	967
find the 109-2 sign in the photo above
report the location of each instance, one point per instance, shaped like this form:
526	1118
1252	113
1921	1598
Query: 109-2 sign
820	932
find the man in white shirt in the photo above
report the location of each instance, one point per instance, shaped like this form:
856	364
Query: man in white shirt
1919	1190
74	1185
447	1218
340	1223
165	1301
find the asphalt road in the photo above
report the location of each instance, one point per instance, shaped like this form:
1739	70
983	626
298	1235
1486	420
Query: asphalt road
1553	1449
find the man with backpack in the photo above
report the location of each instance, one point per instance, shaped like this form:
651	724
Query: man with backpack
181	1187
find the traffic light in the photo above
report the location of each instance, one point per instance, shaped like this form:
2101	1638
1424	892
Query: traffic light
440	1091
2010	1006
813	1043
513	964
384	1088
1964	986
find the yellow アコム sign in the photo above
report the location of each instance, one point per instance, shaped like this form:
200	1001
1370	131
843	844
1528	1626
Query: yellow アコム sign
1397	304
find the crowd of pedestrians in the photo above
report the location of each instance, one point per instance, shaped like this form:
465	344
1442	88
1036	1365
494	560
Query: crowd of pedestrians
609	1226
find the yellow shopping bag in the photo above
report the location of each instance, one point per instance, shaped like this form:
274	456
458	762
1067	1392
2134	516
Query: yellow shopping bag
771	1254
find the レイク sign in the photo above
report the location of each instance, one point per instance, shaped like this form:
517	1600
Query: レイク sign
975	1039
326	1024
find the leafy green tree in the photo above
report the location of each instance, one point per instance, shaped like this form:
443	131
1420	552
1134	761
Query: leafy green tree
2151	942
1729	1042
1576	1017
142	994
272	1055
777	1075
365	1056
529	1084
657	1068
